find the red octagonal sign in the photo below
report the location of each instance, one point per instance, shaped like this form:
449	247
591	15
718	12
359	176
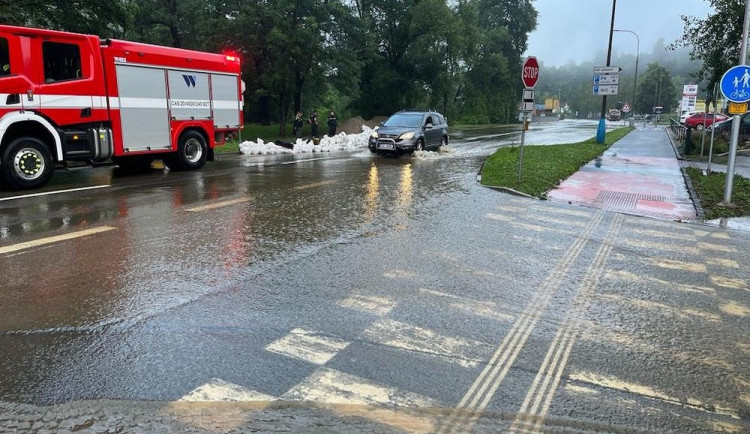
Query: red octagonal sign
530	72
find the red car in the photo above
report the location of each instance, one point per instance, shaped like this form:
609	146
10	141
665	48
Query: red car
696	121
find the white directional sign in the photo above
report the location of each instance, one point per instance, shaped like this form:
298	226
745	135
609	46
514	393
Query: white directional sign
606	90
607	79
528	100
607	69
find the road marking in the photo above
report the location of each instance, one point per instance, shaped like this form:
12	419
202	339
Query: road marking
561	221
55	239
308	346
300	161
334	387
219	204
568	212
716	247
500	217
47	193
721	235
632	277
678	265
218	390
662	234
369	304
728	282
661	246
728	263
485	386
486	309
666	309
649	392
542	391
735	309
465	352
315	184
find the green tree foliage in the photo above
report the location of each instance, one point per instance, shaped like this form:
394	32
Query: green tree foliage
106	18
363	57
656	88
715	40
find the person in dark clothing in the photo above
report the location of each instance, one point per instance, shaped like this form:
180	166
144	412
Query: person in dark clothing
314	124
332	123
297	128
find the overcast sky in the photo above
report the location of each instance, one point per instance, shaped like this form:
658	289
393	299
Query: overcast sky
576	30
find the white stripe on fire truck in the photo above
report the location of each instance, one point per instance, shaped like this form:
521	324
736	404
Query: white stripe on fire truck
226	104
130	102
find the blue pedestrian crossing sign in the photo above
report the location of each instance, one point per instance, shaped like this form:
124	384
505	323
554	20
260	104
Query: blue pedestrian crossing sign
735	84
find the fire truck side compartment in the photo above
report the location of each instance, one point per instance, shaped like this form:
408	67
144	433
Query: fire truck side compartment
143	107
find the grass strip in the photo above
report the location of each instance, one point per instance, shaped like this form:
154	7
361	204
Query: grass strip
710	191
544	167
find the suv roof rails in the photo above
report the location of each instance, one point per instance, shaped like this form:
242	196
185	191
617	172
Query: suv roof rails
418	110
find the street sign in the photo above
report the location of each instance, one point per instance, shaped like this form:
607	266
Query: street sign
688	103
528	100
606	90
736	108
607	79
735	83
530	72
607	69
690	90
626	108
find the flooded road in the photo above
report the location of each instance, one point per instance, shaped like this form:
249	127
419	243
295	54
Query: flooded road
347	278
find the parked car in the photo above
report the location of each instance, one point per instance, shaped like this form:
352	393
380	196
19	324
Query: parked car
724	129
411	130
698	122
686	114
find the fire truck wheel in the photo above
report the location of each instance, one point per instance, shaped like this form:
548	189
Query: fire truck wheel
27	163
191	151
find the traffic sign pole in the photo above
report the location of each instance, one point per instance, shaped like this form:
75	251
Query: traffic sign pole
601	130
529	77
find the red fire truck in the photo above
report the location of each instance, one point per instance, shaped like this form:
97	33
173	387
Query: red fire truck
69	99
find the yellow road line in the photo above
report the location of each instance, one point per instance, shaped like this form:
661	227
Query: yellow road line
219	204
542	391
485	386
55	239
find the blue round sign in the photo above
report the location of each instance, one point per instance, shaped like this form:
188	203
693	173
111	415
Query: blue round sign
735	84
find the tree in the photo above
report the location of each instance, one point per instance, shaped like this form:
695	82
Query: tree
655	88
105	18
715	40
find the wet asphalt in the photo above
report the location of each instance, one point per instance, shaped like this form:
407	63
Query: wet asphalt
349	279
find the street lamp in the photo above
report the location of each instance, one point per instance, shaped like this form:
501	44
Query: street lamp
637	53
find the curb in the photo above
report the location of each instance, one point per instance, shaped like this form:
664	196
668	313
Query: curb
700	213
511	191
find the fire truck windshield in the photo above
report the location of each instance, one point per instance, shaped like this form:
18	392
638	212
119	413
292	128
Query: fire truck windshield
4	57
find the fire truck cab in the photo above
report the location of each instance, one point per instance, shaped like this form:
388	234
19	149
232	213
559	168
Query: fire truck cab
69	99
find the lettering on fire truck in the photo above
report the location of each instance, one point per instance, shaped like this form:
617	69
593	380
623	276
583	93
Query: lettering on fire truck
69	99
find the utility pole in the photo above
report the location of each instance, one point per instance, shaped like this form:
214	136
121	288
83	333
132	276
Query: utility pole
600	132
736	119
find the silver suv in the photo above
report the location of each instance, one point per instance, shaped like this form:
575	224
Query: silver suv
407	131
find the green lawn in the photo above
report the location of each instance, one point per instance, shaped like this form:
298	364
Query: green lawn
710	190
543	166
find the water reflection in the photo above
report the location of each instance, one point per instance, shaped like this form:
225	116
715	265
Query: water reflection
373	189
405	191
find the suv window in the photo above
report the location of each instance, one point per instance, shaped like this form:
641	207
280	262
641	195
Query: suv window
61	61
409	120
4	57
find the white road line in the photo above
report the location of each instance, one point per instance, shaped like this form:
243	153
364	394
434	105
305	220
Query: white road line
219	204
47	193
55	239
301	161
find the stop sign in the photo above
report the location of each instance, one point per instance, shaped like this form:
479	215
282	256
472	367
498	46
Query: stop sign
530	72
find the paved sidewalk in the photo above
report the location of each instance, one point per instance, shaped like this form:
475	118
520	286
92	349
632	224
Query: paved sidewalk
639	175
